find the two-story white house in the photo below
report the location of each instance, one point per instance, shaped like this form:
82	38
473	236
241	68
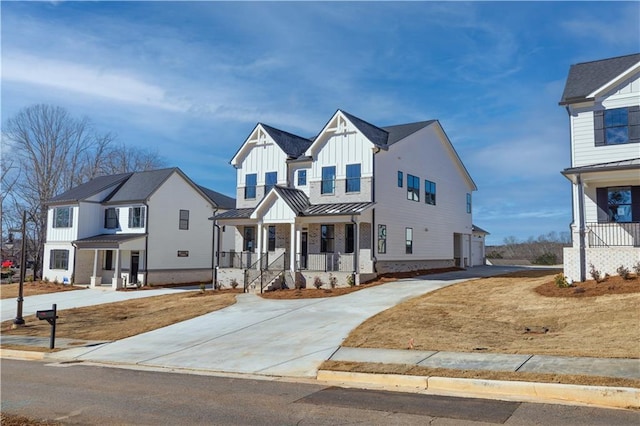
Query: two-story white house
602	99
356	200
138	228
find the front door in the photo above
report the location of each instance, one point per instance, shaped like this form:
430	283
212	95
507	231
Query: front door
303	250
135	266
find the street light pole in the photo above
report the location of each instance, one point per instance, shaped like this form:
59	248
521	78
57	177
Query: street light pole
23	263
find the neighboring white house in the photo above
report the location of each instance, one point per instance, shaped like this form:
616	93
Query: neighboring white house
603	102
356	200
138	228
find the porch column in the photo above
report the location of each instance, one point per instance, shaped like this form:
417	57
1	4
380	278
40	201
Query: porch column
259	244
356	254
95	280
292	248
116	281
582	230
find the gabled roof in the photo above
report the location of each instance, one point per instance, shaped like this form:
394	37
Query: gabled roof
295	198
401	131
292	145
376	135
140	186
220	200
479	230
587	77
89	189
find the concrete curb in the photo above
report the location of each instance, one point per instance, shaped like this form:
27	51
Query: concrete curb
603	396
24	355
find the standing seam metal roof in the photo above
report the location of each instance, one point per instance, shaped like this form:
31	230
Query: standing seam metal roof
88	189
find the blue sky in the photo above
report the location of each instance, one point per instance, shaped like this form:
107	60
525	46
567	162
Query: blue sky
191	79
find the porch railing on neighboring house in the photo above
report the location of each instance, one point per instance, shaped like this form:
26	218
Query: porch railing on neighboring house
327	262
613	234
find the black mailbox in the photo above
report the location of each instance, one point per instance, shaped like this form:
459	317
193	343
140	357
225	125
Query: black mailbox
46	315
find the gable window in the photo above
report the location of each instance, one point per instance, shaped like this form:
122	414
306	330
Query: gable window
249	238
183	222
349	238
468	203
408	236
251	180
272	238
328	180
62	217
382	239
111	218
400	179
430	192
270	180
617	126
108	260
302	178
413	188
353	178
59	259
326	238
136	217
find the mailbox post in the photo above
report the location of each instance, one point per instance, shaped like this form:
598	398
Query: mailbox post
50	316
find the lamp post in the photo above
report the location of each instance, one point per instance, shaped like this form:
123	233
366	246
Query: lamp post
18	321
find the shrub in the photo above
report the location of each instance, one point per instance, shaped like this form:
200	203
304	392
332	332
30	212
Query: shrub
317	282
202	287
333	281
234	283
546	259
623	272
595	274
351	282
45	279
299	284
636	269
561	281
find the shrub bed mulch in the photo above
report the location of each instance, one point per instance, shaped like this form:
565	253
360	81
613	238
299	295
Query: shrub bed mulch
611	285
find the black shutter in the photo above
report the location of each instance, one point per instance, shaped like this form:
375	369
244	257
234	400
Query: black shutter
634	124
598	127
635	203
602	198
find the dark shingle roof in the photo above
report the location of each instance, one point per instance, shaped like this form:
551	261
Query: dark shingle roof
586	77
91	188
375	134
295	198
140	186
293	145
401	131
219	199
106	240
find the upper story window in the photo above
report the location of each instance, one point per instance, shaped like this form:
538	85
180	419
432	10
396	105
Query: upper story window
183	221
400	179
617	126
328	180
353	178
468	203
136	217
413	188
111	218
63	217
302	178
251	180
270	180
430	192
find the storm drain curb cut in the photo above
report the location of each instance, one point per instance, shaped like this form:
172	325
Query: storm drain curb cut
604	396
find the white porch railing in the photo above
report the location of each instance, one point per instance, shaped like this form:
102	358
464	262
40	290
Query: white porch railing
613	234
327	262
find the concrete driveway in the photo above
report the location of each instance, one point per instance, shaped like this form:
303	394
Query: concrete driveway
268	337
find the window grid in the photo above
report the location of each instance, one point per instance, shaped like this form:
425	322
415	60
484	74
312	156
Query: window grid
616	126
326	238
62	217
184	220
251	180
59	259
111	218
136	217
328	180
353	178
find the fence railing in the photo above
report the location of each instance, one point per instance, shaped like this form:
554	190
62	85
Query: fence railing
328	262
613	234
241	260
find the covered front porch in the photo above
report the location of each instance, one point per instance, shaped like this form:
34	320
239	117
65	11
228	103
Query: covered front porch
117	260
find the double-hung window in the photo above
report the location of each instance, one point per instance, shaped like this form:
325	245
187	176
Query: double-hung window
63	217
59	259
270	180
183	221
251	180
326	238
617	126
136	217
408	236
413	188
353	178
328	183
430	192
302	178
111	218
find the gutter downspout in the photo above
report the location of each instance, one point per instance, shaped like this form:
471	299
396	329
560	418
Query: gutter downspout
356	250
581	229
146	248
215	246
374	231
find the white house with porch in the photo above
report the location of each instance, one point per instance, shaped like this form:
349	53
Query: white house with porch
352	202
602	99
138	228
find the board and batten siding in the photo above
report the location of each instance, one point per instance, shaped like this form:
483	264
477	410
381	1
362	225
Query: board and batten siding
424	155
62	234
584	152
164	236
264	157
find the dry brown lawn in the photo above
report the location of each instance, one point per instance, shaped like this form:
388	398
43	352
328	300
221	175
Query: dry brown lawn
114	321
493	315
10	291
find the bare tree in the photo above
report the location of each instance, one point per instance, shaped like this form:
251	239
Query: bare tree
55	152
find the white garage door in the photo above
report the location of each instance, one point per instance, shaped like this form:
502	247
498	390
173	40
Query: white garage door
477	251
